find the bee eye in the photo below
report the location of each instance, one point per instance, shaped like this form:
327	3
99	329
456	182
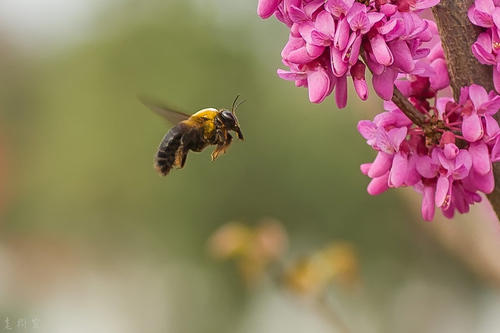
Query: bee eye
228	117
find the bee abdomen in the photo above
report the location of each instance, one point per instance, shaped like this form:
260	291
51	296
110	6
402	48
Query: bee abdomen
165	156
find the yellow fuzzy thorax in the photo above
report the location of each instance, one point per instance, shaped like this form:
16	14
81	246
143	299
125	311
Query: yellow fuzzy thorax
205	118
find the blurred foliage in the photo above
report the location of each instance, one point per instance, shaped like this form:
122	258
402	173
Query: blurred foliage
336	262
254	249
80	152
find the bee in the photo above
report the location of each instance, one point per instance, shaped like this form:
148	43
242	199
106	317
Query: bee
195	132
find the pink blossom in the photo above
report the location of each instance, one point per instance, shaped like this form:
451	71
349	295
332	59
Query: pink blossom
486	14
333	33
449	169
481	13
478	114
486	50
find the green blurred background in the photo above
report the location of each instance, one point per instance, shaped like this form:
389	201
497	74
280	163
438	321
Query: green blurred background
93	240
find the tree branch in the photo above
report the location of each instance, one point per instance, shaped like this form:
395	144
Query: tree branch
408	109
403	103
457	36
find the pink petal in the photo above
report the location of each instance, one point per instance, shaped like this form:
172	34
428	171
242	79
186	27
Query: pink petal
312	7
495	151
318	83
300	56
384	83
388	9
481	19
402	55
482	55
291	76
341	35
441	79
389	26
364	168
296	14
338	7
492	128
463	165
381	51
496	17
341	92
380	165
367	129
397	135
378	185
339	66
480	157
442	189
472	128
314	50
359	22
399	170
423	4
266	8
496	79
478	95
320	39
413	177
374	17
425	167
428	206
486	6
325	23
484	183
354	50
361	88
450	151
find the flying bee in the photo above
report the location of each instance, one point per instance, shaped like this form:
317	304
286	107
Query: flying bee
193	132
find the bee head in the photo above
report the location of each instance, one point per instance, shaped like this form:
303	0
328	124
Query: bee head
230	121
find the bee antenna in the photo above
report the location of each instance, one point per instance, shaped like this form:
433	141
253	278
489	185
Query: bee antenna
234	107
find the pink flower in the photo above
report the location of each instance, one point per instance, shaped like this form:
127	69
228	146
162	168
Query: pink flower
390	32
481	13
483	107
486	50
448	169
358	78
486	14
314	76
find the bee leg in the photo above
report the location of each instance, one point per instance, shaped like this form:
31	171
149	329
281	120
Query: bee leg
184	157
222	147
182	151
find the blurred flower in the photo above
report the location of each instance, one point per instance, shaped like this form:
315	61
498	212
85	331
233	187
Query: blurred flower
253	248
312	275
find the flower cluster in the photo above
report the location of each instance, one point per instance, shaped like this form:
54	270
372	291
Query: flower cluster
327	38
448	159
486	14
443	148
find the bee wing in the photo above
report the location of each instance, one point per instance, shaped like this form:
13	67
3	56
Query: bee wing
170	114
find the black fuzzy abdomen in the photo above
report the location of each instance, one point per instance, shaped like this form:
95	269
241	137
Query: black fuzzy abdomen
165	156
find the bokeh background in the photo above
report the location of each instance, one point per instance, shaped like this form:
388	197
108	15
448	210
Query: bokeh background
93	240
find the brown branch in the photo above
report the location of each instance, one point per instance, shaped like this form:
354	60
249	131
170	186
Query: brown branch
408	109
457	36
403	103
